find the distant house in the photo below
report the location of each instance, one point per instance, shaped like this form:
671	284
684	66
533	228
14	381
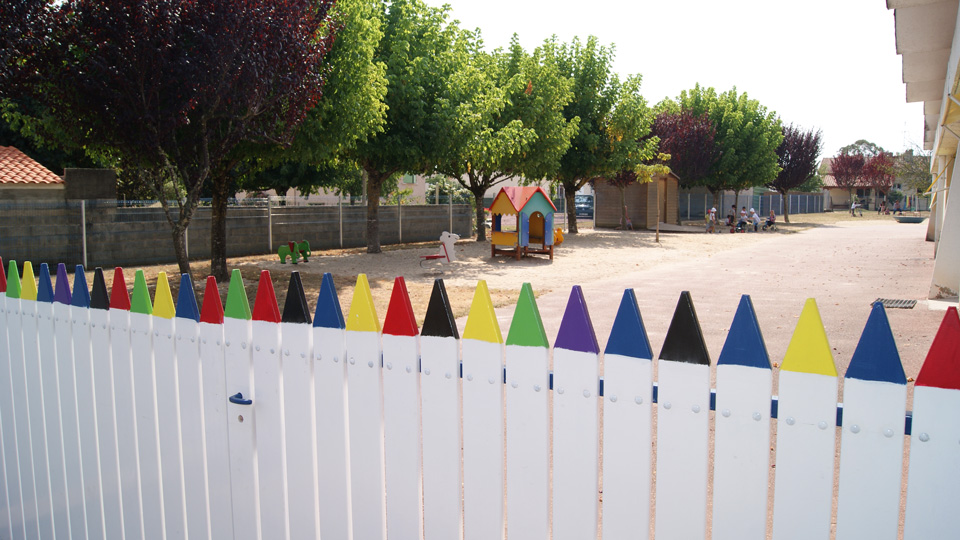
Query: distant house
22	178
646	203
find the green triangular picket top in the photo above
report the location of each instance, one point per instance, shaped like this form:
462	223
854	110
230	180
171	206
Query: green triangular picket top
526	328
238	307
140	301
13	281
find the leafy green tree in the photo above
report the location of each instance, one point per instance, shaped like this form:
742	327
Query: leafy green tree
439	187
863	147
422	51
747	137
614	119
913	170
505	120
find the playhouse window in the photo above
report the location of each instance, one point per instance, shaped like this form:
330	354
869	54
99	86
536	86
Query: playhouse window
508	223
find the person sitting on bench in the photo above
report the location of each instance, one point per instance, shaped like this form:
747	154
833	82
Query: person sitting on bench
771	219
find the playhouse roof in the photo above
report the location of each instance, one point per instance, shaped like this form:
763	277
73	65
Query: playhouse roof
17	168
520	196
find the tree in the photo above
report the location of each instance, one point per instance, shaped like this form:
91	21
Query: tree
689	140
863	147
797	156
172	87
421	51
913	170
880	172
747	137
505	119
642	174
847	170
614	120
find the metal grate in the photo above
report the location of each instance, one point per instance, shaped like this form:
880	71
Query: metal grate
902	304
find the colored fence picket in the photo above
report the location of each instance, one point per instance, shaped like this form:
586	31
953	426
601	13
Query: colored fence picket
123	416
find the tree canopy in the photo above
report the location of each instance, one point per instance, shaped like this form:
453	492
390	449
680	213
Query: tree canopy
614	119
689	140
797	155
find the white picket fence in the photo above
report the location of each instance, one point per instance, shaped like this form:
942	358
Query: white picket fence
118	424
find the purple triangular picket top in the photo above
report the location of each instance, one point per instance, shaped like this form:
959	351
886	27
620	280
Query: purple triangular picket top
628	337
62	294
684	341
876	357
576	331
744	345
44	286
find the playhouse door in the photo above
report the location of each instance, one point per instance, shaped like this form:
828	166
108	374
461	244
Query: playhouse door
524	230
548	230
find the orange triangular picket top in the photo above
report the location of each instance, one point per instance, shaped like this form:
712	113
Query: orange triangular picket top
400	320
265	306
119	298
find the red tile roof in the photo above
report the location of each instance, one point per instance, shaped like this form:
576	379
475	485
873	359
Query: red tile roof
520	195
18	168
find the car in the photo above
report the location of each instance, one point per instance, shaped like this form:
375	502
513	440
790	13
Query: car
584	204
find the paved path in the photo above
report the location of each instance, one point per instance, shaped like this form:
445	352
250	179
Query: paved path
844	266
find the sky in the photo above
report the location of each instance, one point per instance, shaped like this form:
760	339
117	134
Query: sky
827	64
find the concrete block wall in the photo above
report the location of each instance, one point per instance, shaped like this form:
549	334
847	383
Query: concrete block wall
115	236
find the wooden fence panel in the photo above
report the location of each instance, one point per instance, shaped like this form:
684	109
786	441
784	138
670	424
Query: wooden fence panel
627	425
330	387
528	421
933	483
53	427
683	417
298	406
483	439
441	412
806	433
576	442
871	444
366	415
742	433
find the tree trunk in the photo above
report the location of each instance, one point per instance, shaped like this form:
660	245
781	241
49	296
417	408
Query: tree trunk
623	206
786	207
218	230
569	197
374	183
180	248
481	217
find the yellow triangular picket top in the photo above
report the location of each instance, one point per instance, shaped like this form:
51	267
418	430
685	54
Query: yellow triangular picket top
482	322
162	299
809	350
28	287
363	315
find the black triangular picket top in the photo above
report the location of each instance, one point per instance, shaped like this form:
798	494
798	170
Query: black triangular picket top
439	321
684	341
295	306
99	297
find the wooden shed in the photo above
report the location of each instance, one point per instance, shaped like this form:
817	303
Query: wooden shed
645	202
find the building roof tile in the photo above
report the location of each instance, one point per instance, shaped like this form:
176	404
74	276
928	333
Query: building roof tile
18	168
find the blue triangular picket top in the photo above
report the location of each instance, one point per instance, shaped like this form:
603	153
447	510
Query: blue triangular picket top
99	298
187	300
576	331
81	296
628	337
744	345
44	286
62	294
684	340
328	313
876	357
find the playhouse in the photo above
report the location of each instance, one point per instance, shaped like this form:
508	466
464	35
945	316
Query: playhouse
522	222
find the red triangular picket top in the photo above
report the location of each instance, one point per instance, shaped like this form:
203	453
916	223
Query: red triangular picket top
119	298
3	278
400	320
212	310
941	368
265	306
